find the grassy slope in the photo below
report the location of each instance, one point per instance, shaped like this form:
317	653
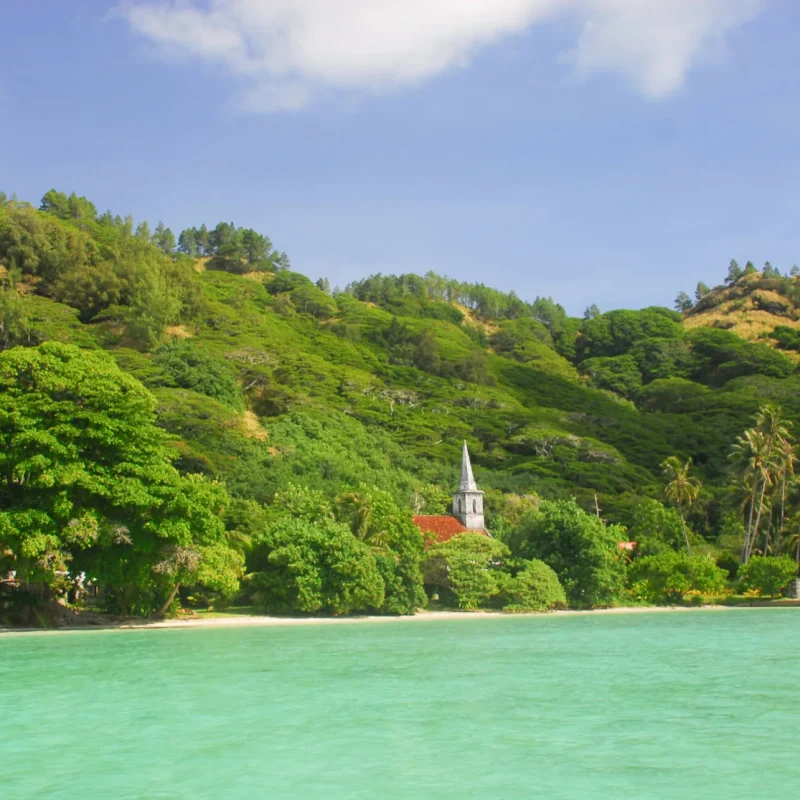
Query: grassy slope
328	409
334	411
751	308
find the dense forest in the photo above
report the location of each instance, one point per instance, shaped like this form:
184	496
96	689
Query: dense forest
185	421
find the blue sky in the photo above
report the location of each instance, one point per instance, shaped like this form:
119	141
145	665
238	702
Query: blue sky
580	149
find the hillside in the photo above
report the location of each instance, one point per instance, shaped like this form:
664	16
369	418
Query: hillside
266	381
753	307
394	371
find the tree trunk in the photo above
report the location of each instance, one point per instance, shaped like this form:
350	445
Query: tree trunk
758	520
783	504
163	610
746	543
685	534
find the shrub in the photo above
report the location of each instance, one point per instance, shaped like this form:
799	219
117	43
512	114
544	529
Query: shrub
656	527
315	566
535	588
580	548
471	567
669	576
188	367
769	575
618	374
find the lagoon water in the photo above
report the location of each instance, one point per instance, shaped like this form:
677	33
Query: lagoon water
683	705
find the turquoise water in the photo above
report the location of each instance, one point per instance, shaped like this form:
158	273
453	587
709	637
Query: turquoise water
694	705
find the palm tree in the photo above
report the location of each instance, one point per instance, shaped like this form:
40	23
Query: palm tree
751	456
681	489
355	509
785	459
757	455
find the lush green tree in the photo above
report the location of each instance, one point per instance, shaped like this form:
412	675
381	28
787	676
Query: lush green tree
164	239
769	575
474	369
662	358
683	302
521	339
618	374
376	519
616	332
143	233
187	366
701	291
309	562
72	207
224	235
591	312
470	567
398	340
579	547
87	484
535	588
668	576
307	299
426	356
313	567
720	356
734	272
256	248
287	282
55	203
90	289
41	246
203	239
787	338
656	527
673	394
188	244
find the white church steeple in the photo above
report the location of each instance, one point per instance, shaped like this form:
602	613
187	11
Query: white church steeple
467	479
468	501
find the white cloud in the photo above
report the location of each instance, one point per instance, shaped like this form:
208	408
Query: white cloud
285	51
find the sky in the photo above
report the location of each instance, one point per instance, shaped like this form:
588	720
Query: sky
597	151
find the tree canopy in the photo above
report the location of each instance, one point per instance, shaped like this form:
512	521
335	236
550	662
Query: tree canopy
87	482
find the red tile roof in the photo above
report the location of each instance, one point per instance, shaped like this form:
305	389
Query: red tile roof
441	529
629	546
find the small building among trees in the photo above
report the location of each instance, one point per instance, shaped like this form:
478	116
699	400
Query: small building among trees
467	516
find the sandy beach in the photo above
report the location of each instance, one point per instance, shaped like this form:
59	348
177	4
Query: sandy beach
422	616
256	621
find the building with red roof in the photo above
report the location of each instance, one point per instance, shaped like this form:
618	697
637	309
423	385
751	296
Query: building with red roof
439	529
467	509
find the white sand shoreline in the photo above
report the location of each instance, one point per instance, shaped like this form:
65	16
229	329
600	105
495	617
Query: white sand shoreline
246	621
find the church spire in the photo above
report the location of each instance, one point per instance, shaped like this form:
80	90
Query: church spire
468	500
467	479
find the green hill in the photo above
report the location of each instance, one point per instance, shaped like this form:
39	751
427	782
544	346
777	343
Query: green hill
758	306
265	380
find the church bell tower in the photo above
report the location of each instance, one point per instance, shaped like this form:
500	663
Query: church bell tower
468	501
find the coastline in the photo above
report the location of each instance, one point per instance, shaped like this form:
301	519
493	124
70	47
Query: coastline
259	621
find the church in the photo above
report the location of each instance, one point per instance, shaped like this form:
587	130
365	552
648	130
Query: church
467	514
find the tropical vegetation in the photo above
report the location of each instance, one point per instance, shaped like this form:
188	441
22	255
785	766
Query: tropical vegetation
185	421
